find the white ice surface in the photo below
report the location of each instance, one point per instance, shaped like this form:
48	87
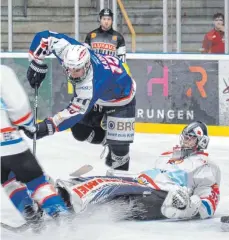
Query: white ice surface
61	154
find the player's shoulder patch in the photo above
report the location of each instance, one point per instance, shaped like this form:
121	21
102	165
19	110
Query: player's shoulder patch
114	37
93	35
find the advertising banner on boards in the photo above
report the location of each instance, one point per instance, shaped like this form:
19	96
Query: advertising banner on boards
224	93
168	91
176	91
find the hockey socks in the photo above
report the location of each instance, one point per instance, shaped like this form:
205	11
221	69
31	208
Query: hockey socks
46	196
18	194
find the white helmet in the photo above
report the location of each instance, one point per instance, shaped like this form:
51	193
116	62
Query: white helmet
77	57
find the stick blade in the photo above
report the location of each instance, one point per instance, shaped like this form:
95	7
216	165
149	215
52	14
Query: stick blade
81	171
19	229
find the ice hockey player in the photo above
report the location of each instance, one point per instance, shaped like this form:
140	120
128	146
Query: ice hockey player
103	107
183	184
105	40
21	176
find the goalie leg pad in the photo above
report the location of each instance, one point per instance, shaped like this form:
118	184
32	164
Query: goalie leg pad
148	206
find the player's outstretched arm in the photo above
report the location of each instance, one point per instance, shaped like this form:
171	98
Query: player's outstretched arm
63	120
45	43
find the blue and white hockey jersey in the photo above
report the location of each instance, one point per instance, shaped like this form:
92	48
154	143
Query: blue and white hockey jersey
108	82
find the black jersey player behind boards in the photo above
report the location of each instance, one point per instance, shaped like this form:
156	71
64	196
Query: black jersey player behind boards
105	40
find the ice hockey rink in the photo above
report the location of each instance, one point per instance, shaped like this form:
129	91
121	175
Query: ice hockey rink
61	154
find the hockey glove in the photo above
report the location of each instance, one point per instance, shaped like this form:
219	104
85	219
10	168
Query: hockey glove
42	129
178	204
36	73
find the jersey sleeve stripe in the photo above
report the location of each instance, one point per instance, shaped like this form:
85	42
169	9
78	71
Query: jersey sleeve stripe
23	119
8	129
11	142
31	121
212	203
208	207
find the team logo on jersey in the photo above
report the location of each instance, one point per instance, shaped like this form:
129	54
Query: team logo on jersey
114	38
175	161
93	35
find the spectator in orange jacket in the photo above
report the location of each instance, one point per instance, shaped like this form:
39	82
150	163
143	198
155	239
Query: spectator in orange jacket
214	41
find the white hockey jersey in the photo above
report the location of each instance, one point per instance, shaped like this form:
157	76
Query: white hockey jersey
196	172
15	111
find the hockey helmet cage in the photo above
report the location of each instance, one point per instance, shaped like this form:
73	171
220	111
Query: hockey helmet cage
197	134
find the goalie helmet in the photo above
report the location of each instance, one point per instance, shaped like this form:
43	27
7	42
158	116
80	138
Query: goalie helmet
76	63
195	136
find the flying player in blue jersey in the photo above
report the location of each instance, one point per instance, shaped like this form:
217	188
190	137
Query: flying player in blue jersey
102	110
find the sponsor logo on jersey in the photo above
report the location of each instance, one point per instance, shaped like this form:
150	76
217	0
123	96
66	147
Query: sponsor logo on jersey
175	161
85	88
103	46
93	35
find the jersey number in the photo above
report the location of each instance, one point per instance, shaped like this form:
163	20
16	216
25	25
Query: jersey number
114	64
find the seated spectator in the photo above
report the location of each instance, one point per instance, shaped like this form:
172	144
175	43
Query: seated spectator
214	41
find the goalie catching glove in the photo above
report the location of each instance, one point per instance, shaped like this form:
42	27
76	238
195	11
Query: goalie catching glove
41	129
178	204
36	73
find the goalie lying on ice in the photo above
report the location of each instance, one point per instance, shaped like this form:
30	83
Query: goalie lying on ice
183	184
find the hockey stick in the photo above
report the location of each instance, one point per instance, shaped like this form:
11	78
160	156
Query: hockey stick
22	228
81	171
35	118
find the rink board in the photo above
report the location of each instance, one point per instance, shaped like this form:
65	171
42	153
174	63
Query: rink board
173	90
177	128
160	128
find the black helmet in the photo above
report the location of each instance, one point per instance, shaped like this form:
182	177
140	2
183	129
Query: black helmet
195	135
106	12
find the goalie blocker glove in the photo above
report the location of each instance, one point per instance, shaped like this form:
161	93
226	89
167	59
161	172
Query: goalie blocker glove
41	129
36	73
